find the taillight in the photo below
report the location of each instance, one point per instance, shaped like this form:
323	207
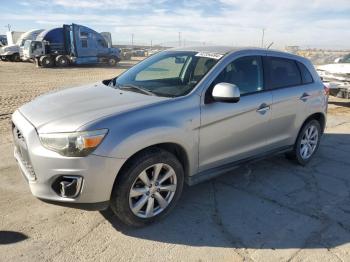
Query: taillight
326	89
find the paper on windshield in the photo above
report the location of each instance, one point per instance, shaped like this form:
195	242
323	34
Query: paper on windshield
210	55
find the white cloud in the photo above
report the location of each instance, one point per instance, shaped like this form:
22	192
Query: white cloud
294	22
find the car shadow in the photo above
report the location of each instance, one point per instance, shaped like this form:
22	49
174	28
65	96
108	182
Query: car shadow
340	103
10	237
268	204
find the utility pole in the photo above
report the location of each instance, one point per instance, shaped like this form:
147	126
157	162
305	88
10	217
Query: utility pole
262	37
151	44
179	39
8	27
132	41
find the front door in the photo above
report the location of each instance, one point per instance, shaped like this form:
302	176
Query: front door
234	131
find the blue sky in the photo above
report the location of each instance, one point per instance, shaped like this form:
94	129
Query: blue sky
308	23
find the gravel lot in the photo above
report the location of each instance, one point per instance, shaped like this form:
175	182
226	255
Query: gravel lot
270	210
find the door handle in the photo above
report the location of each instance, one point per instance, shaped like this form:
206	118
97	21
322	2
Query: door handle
263	108
304	97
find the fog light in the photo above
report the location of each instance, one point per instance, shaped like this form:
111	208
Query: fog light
68	186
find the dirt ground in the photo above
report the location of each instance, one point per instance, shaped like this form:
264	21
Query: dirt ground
272	210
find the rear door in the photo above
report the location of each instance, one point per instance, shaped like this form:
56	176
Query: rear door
234	131
289	96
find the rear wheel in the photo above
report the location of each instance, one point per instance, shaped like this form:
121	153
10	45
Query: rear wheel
112	61
62	61
46	61
307	143
15	58
148	188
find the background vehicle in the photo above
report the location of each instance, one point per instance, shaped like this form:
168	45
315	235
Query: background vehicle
3	40
12	52
71	44
183	115
337	76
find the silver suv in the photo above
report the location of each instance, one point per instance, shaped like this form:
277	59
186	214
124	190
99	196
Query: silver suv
182	115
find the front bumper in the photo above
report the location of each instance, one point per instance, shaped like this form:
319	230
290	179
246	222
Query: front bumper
42	167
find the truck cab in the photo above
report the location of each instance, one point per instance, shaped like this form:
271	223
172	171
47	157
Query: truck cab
32	49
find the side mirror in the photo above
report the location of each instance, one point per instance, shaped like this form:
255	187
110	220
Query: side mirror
225	92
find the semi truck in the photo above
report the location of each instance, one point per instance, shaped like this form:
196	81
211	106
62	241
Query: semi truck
12	51
71	44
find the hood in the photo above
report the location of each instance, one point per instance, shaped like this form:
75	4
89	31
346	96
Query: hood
341	68
10	48
69	109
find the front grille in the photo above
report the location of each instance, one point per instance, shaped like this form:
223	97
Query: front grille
21	153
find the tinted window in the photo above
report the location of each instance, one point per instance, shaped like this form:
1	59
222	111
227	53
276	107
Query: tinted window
84	35
305	74
102	43
84	43
246	73
281	72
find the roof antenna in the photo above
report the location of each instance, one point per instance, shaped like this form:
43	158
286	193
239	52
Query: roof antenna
268	47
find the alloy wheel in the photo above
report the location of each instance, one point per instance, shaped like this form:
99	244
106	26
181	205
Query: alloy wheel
152	190
309	142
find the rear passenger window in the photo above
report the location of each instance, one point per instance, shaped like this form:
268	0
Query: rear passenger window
305	74
281	72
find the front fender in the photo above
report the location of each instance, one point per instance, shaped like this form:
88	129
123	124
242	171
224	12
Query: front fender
172	121
135	142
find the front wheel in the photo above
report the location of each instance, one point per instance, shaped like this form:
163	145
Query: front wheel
307	143
148	188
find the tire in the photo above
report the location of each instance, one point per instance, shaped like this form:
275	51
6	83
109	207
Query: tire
112	61
127	205
62	61
46	61
305	148
14	58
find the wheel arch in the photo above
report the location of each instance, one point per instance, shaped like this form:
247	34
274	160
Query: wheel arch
320	117
177	150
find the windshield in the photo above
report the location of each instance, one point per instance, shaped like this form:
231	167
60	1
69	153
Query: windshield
169	73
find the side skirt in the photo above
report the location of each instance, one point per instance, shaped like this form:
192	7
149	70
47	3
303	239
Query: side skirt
217	171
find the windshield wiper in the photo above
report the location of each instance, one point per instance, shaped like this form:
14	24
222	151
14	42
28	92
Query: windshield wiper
135	87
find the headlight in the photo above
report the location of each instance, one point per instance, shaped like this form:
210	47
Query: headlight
76	144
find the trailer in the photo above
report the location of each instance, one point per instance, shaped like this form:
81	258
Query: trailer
71	44
12	51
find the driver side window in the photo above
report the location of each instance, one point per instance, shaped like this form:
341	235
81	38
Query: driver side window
245	72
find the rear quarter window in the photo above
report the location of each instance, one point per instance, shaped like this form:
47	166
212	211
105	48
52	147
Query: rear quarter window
281	72
305	74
